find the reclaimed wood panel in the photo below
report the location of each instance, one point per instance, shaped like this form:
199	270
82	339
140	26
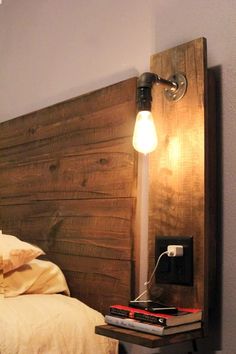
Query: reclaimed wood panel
180	170
77	227
85	133
81	113
68	177
110	279
81	176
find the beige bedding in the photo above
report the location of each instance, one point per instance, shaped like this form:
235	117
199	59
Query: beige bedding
50	324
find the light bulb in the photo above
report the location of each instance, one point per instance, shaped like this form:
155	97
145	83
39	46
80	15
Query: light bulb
145	136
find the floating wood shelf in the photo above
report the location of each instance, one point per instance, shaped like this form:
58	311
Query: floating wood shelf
145	339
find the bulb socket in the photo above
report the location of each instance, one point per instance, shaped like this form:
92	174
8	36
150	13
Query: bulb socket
144	98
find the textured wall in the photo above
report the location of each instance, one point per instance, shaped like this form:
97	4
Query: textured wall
52	50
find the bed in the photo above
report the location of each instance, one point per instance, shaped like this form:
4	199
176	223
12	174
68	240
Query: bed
53	324
37	314
68	176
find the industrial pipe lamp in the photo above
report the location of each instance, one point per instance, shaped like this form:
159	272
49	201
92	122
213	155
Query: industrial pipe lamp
145	136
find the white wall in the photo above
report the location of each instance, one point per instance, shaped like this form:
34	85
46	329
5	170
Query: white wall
51	50
56	49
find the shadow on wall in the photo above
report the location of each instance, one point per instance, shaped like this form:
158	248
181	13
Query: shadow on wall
215	300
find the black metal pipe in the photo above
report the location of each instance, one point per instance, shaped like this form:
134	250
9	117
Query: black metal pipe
144	89
148	79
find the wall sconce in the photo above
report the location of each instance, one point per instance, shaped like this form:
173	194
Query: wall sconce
145	136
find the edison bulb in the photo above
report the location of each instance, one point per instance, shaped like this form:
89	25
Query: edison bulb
145	136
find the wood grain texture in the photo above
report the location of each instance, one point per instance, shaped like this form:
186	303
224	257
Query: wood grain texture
179	170
70	226
68	184
145	339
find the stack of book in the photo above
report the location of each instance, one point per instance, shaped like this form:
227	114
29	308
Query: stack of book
160	324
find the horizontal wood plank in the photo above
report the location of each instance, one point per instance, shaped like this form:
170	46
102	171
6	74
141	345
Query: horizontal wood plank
84	176
96	281
76	227
89	113
108	129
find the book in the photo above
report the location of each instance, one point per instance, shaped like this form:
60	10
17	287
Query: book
149	327
183	315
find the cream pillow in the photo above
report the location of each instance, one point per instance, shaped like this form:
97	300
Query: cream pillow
35	277
15	252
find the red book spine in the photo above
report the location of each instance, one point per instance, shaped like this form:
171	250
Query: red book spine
138	314
185	315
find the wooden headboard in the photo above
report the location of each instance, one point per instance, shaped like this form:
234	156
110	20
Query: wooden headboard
68	184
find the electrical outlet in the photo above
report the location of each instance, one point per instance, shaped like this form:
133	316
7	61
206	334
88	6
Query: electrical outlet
174	270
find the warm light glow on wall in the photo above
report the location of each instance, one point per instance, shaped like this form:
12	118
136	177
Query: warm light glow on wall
174	151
